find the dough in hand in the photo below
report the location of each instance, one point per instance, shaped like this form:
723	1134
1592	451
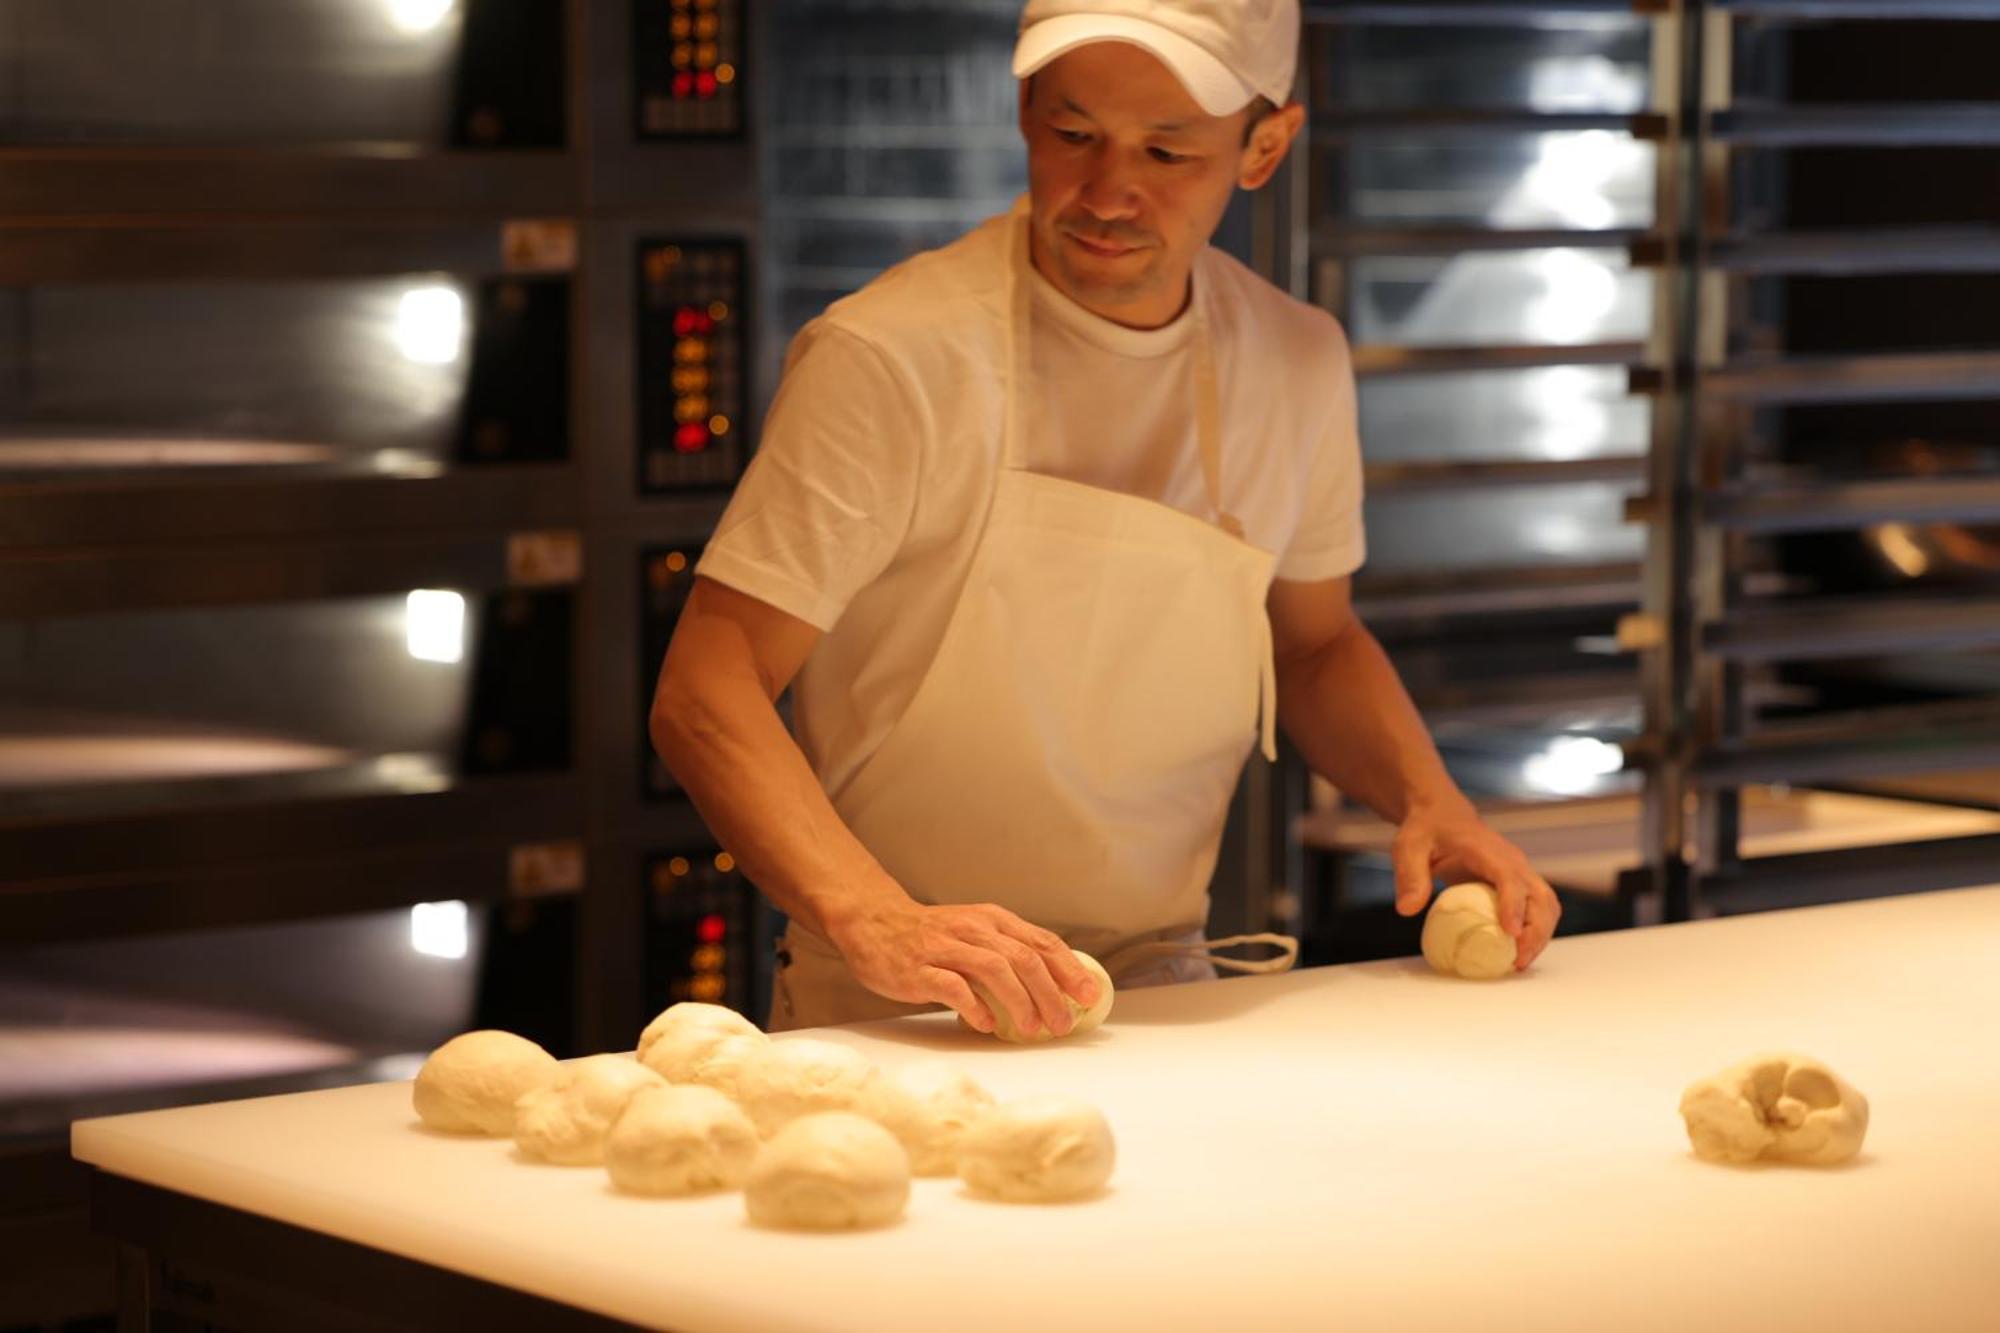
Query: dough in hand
828	1172
1039	1150
928	1106
470	1084
1463	936
692	1016
566	1121
1082	1019
1779	1107
797	1077
672	1140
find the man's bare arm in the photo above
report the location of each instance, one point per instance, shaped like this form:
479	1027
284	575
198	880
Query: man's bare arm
715	724
1344	706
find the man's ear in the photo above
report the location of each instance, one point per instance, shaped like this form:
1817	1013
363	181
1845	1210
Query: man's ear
1269	142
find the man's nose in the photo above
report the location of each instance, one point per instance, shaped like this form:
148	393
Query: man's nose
1110	193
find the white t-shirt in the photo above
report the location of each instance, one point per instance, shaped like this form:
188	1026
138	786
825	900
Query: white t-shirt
863	505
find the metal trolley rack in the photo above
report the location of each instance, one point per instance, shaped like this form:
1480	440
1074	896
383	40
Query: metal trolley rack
1779	465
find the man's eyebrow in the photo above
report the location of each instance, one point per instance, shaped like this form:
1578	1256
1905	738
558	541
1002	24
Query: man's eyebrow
1158	127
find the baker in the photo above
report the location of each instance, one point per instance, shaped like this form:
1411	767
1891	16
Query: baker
1049	529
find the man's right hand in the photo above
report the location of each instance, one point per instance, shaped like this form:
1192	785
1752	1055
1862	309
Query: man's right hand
938	955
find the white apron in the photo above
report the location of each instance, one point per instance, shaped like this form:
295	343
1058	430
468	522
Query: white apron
1072	749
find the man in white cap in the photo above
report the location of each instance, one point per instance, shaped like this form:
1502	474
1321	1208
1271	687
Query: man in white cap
1053	526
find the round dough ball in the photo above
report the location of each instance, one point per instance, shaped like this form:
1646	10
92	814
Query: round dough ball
1463	936
827	1172
800	1077
928	1106
680	1050
471	1083
566	1122
674	1140
1040	1150
693	1016
1082	1019
1780	1107
722	1065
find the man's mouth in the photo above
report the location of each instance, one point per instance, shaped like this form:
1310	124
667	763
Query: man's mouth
1101	249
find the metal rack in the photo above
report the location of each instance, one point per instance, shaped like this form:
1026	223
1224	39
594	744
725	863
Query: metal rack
1510	645
1722	510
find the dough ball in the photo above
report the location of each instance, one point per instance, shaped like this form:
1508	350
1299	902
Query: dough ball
679	1050
1040	1150
693	1016
1781	1108
1463	937
566	1121
800	1077
470	1084
828	1172
928	1106
674	1140
722	1065
1083	1020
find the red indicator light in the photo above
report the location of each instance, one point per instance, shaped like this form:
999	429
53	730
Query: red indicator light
683	84
705	84
712	929
690	320
691	438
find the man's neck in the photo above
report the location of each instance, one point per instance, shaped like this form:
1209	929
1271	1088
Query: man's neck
1141	315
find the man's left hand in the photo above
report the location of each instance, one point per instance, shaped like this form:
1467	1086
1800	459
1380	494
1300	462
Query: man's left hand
1454	844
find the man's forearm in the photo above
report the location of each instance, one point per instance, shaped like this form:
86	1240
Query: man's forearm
1347	711
724	742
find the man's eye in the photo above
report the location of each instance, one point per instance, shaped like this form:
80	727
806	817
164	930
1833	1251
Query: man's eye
1168	156
1073	136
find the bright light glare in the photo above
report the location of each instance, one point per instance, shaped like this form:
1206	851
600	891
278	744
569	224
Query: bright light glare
439	929
417	17
1577	294
1577	421
1573	765
430	325
434	624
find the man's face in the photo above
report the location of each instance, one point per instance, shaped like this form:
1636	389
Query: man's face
1129	179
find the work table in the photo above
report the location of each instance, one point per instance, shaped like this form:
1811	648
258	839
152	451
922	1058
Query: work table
1364	1147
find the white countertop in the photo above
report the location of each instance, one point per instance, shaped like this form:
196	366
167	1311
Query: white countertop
1366	1147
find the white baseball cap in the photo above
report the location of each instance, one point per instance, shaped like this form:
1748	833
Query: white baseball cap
1225	52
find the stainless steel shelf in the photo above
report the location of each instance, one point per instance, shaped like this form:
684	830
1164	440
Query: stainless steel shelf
1899	377
1769	883
1356	124
1861	9
351	841
1380	359
1333	239
1403	478
1848	253
281	504
1832	506
1384	601
1846	761
43	252
71	581
1942	124
1854	629
346	179
1474	11
1530	702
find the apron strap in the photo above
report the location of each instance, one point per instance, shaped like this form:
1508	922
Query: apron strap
1288	954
